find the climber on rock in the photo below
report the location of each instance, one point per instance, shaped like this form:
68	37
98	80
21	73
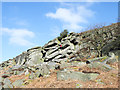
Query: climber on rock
60	46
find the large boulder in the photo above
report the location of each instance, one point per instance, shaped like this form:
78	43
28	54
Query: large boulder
111	46
1	79
21	59
34	56
7	83
18	83
74	75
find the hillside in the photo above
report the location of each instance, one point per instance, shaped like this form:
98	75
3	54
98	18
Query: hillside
80	58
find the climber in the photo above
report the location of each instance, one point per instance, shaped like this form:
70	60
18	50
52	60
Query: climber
60	45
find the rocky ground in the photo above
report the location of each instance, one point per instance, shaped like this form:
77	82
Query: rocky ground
102	77
77	60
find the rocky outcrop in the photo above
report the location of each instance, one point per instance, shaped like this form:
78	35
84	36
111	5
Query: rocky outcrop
86	48
87	44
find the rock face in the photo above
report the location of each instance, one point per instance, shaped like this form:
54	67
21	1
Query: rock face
38	61
91	43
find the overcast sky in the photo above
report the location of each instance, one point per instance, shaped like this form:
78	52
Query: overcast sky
26	25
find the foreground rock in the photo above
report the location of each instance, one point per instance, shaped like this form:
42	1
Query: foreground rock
66	75
101	66
18	83
7	83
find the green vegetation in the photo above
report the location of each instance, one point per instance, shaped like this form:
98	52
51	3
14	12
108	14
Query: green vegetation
63	34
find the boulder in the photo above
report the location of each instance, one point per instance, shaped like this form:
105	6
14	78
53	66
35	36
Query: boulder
18	72
38	73
27	72
74	75
7	83
1	86
101	66
112	45
32	75
45	70
18	83
51	65
79	64
34	56
112	58
21	58
1	79
16	67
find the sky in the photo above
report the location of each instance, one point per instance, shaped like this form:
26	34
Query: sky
30	24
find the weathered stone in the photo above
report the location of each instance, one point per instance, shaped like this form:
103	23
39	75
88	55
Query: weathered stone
16	67
101	66
53	55
79	64
18	83
112	45
21	59
18	72
51	51
32	75
97	59
45	70
50	44
60	56
63	65
59	60
75	46
51	65
0	86
7	83
1	79
34	56
57	66
32	68
111	59
27	72
38	73
73	75
66	50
